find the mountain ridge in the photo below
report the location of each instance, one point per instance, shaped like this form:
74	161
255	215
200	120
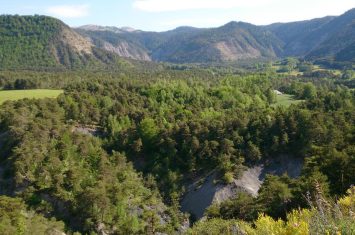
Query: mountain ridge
237	40
45	42
28	42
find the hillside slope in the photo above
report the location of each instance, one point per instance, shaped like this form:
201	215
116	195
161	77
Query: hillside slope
29	42
199	197
318	38
134	44
293	35
112	40
340	40
328	37
231	42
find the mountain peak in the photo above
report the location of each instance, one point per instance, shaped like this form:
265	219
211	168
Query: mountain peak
128	29
92	27
236	24
183	28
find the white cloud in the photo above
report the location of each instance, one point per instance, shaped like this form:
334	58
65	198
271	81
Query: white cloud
69	11
179	5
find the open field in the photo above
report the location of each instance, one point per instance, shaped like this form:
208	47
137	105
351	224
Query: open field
286	100
31	94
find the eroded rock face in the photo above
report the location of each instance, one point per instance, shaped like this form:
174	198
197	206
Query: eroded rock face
232	51
200	196
76	41
127	50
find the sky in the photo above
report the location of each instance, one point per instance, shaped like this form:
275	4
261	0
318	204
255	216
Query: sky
162	15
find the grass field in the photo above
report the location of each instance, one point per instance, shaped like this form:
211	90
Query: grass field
286	100
31	94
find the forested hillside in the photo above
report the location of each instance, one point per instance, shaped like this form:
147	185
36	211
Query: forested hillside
293	34
40	42
94	143
62	173
71	158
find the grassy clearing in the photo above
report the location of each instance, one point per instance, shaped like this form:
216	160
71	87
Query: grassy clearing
286	100
31	94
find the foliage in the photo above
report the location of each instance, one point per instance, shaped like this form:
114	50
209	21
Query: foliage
325	218
172	126
64	173
285	100
113	153
29	94
42	42
218	226
15	219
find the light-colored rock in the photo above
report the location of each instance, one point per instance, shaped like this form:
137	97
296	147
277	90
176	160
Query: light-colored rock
124	49
76	41
232	51
199	197
278	92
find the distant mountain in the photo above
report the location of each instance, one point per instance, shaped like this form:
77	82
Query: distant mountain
29	42
233	41
346	54
329	37
45	42
294	35
139	45
339	39
91	27
115	40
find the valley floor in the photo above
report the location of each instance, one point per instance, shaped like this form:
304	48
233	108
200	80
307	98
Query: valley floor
30	94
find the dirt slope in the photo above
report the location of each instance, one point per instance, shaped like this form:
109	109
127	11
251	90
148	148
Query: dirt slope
199	197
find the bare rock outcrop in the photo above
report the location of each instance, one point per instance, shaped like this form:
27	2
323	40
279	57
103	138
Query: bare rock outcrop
200	196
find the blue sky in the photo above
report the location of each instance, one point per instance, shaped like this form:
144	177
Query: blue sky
160	15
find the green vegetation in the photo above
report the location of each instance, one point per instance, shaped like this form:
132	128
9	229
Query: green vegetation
24	40
112	152
324	217
94	144
64	173
16	219
41	42
173	126
286	100
29	94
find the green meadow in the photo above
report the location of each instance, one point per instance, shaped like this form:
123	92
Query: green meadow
286	100
31	94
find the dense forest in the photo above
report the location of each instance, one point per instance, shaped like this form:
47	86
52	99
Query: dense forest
114	154
235	138
46	43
